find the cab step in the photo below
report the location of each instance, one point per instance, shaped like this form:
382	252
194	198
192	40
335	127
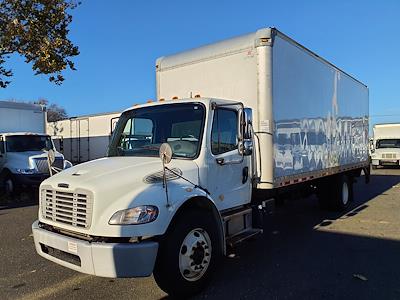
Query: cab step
249	233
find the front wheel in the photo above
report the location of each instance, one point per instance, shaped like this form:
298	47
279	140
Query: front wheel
8	185
188	255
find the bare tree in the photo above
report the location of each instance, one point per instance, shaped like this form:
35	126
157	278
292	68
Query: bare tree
54	111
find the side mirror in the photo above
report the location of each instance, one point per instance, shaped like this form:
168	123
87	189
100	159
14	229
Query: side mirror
51	156
165	153
371	146
246	130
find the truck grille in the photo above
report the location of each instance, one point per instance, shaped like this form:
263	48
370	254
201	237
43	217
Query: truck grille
43	167
389	155
74	209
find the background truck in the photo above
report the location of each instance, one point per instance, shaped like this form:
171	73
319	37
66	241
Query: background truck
24	145
83	138
385	150
238	124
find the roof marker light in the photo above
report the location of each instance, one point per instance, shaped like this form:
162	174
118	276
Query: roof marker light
197	96
175	98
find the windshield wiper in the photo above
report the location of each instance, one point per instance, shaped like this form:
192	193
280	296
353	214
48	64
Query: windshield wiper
149	147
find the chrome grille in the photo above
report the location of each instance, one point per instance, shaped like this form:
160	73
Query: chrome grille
389	155
43	167
74	209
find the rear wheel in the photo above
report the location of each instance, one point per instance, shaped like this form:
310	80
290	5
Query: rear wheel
187	255
335	193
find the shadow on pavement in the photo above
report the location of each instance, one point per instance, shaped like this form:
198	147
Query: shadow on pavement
293	260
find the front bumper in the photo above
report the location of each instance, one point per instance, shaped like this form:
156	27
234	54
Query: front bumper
29	180
385	162
100	259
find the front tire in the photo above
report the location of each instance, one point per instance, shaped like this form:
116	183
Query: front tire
188	254
8	185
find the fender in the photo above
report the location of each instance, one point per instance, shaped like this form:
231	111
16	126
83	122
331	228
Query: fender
206	204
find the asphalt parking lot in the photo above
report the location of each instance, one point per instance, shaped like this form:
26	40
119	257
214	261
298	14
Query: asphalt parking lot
305	253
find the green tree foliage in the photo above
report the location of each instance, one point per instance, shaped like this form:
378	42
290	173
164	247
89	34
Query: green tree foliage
37	30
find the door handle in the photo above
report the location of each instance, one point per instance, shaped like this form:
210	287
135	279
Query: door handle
220	161
245	174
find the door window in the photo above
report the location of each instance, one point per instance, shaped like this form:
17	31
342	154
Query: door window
224	132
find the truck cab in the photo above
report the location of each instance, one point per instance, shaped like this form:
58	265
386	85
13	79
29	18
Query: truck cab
126	215
385	146
23	159
386	152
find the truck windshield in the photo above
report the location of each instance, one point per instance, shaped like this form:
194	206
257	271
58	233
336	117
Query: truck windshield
388	143
21	143
141	132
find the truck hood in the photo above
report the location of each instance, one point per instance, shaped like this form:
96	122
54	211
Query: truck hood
117	183
117	172
24	160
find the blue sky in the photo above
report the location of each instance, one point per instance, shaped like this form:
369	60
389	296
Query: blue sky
119	42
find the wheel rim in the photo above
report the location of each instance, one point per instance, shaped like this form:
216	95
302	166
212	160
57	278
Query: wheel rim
195	254
345	193
9	186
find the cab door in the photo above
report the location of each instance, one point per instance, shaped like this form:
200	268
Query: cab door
229	180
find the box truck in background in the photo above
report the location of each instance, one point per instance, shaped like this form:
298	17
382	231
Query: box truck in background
83	138
238	124
385	149
24	145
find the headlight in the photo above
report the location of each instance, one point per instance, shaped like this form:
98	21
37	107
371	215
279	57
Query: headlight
25	171
67	164
137	215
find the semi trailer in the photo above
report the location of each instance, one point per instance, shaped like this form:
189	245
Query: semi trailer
24	145
238	125
83	138
385	147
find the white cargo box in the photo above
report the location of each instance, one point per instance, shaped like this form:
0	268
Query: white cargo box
22	117
386	131
310	118
83	138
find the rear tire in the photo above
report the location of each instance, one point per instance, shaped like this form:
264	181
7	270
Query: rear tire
336	193
188	255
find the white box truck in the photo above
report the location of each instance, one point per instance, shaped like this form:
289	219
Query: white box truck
24	145
385	150
238	124
83	138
